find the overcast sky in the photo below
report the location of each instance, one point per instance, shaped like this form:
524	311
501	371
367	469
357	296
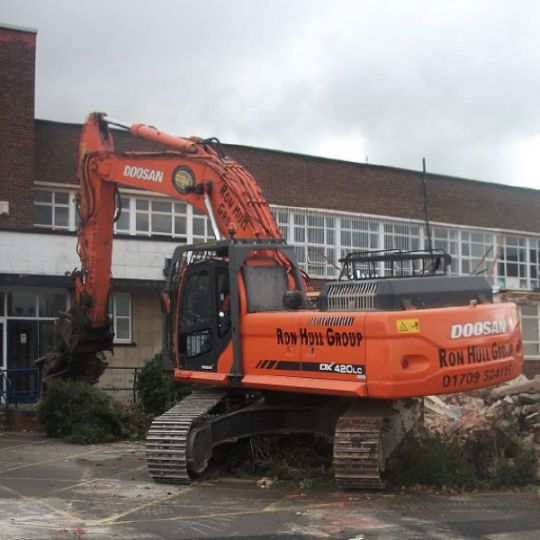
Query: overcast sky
388	81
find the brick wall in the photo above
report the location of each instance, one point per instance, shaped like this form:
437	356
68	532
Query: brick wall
307	181
17	81
531	368
296	180
147	331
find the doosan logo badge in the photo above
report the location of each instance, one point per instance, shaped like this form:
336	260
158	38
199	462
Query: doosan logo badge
484	328
151	175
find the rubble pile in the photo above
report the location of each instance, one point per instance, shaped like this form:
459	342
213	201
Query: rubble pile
512	406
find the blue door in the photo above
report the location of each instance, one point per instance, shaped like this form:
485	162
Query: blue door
22	350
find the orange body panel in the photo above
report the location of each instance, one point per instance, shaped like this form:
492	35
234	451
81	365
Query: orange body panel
388	354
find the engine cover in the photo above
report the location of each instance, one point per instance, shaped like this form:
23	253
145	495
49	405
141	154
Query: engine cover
394	294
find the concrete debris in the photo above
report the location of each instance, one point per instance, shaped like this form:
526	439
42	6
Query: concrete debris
528	399
514	406
511	388
437	406
265	483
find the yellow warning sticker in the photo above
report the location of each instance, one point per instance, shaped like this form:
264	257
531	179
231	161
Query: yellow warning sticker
407	326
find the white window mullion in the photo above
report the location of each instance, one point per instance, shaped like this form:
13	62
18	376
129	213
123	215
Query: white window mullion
72	211
528	263
337	239
132	217
122	332
459	272
380	265
189	228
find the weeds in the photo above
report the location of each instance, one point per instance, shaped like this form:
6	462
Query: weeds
493	458
303	458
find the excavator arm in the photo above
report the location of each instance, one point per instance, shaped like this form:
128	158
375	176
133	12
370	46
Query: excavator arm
194	171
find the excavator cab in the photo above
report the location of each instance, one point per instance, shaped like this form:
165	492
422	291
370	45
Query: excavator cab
205	285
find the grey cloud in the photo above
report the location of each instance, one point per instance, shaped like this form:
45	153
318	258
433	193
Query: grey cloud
457	82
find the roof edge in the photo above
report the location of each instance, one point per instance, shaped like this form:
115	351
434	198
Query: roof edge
45	121
18	28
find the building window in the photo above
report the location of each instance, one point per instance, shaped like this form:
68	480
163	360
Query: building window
54	209
153	217
140	216
358	234
22	305
120	314
314	238
477	253
299	220
123	223
512	264
534	262
44	305
447	240
530	327
402	236
162	217
201	228
282	219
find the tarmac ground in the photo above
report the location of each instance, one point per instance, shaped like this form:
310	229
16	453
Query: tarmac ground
57	491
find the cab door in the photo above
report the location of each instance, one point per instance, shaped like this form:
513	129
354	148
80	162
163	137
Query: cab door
204	316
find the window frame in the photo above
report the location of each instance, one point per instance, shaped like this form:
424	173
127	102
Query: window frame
536	318
114	318
507	260
54	206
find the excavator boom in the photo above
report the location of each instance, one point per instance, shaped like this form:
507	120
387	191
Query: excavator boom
194	171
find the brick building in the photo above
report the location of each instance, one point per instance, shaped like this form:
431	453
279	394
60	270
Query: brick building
324	207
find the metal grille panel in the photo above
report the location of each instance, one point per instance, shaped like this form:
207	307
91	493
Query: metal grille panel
352	296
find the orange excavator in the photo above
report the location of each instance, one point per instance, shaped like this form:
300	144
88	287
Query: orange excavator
239	323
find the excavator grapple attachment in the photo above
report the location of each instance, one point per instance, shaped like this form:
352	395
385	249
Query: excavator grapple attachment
79	353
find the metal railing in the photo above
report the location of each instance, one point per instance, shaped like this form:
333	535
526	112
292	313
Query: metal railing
132	388
24	385
6	386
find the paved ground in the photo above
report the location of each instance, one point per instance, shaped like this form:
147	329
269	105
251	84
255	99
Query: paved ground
52	490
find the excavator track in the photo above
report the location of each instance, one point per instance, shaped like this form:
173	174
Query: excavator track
358	446
366	435
167	439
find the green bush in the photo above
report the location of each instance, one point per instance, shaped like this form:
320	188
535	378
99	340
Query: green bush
518	471
492	458
501	457
80	413
157	390
432	461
